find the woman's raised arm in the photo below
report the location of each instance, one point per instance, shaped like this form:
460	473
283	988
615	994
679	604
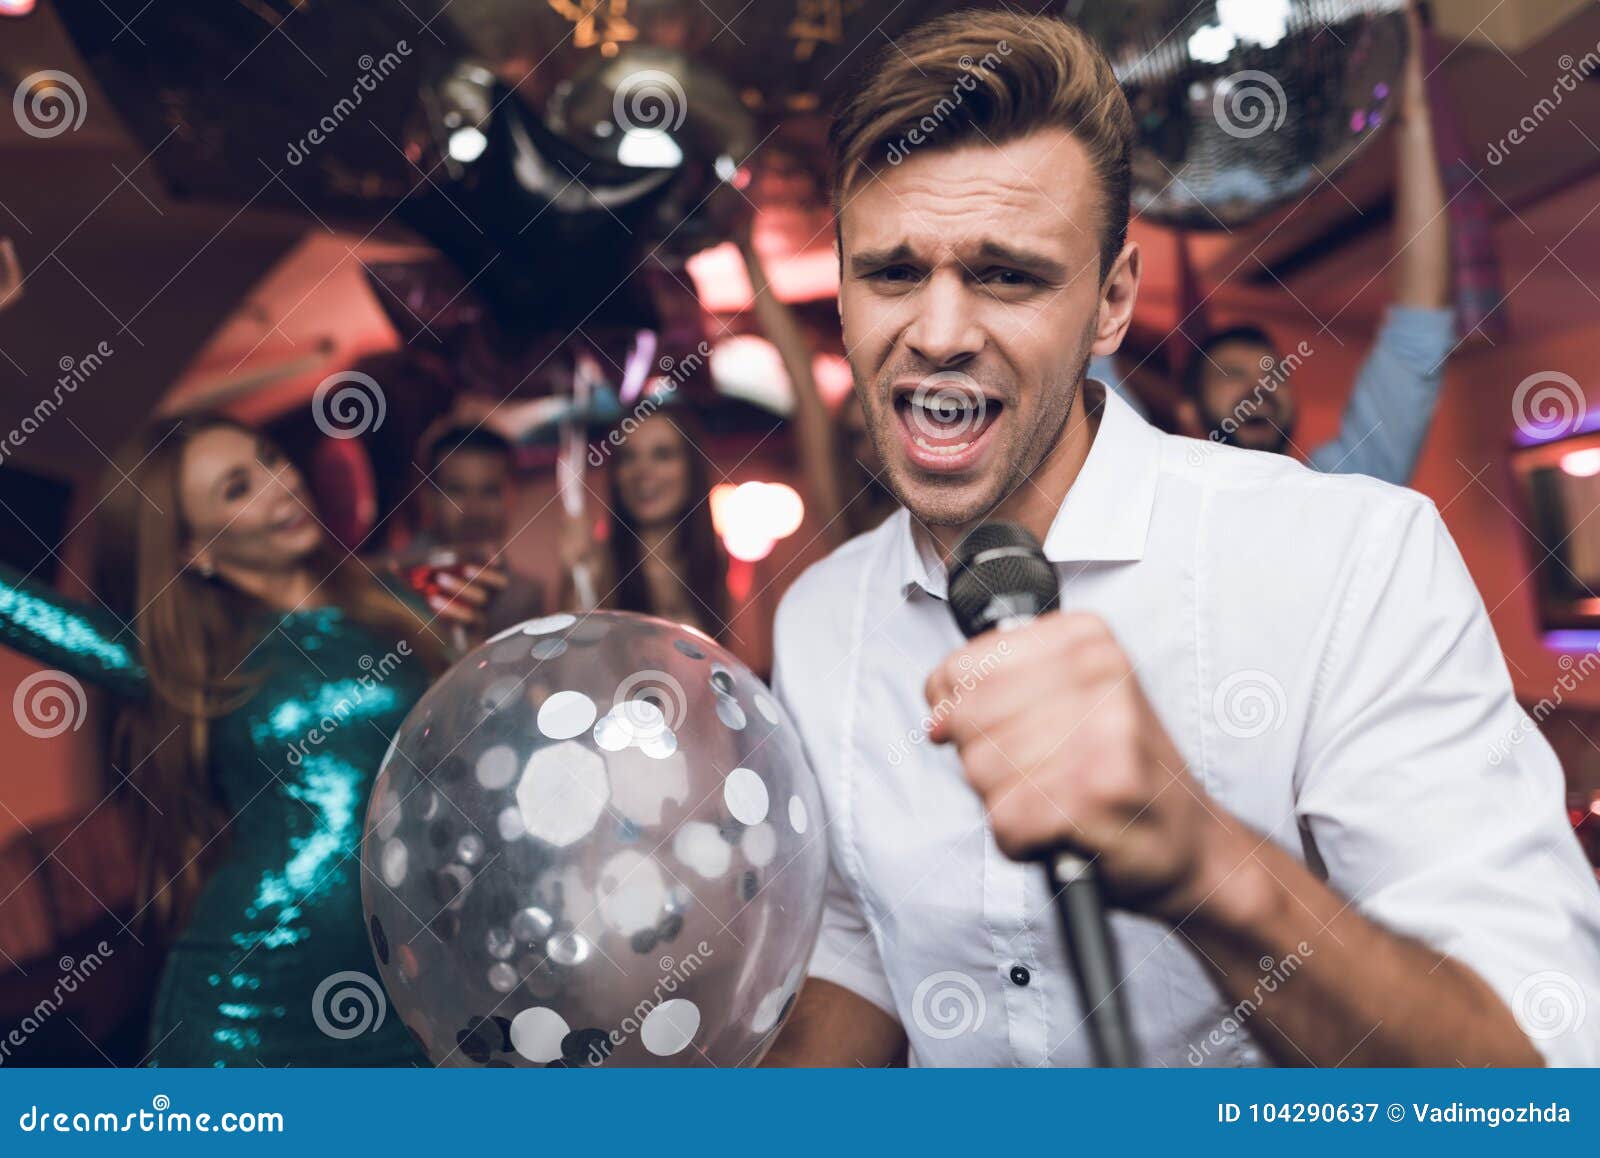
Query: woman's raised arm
78	638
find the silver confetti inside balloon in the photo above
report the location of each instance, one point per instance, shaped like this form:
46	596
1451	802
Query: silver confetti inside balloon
605	853
1242	106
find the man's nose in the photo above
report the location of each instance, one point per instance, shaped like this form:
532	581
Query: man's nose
945	332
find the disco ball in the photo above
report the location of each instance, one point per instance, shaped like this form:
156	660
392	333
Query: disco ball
594	841
1244	105
649	108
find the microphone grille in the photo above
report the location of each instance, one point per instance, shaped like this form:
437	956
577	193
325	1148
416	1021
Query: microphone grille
999	570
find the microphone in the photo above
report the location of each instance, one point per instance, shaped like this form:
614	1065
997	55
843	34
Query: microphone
999	578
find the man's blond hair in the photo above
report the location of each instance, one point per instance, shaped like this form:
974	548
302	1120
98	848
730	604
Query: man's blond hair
985	75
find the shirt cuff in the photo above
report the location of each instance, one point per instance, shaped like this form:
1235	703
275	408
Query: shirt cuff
850	972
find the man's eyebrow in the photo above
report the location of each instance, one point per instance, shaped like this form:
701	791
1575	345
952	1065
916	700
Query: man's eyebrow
1047	268
864	260
1037	263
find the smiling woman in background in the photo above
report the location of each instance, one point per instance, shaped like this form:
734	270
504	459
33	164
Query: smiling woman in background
660	554
232	631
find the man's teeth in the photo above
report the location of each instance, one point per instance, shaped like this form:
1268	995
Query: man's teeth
950	411
943	448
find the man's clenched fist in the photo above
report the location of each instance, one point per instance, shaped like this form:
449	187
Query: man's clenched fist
1059	741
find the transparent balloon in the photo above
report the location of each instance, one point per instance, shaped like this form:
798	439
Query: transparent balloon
594	841
1242	106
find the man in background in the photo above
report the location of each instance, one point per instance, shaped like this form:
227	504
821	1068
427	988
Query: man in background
1238	386
466	506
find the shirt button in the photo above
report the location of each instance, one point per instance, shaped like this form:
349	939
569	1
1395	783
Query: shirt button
1020	975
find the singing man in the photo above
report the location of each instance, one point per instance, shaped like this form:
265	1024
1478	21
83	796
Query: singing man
1271	707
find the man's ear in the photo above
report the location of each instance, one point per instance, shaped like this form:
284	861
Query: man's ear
1119	290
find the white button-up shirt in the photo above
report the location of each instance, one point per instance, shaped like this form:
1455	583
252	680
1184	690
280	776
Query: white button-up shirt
1317	652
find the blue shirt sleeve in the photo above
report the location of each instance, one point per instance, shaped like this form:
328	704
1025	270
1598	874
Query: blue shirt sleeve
1391	407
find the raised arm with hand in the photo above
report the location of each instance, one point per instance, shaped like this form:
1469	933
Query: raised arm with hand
1391	407
82	640
1421	225
813	424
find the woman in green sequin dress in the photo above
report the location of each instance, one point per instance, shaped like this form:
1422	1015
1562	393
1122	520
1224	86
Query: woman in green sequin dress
260	674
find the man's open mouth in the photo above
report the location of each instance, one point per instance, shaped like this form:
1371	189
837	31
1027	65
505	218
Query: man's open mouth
944	420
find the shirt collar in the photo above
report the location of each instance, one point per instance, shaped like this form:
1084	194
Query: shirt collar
1105	517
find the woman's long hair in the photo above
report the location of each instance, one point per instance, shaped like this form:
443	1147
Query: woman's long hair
697	556
193	635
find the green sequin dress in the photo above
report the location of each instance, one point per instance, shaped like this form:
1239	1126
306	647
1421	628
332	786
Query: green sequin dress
281	914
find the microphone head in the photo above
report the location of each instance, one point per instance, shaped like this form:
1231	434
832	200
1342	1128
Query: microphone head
999	572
